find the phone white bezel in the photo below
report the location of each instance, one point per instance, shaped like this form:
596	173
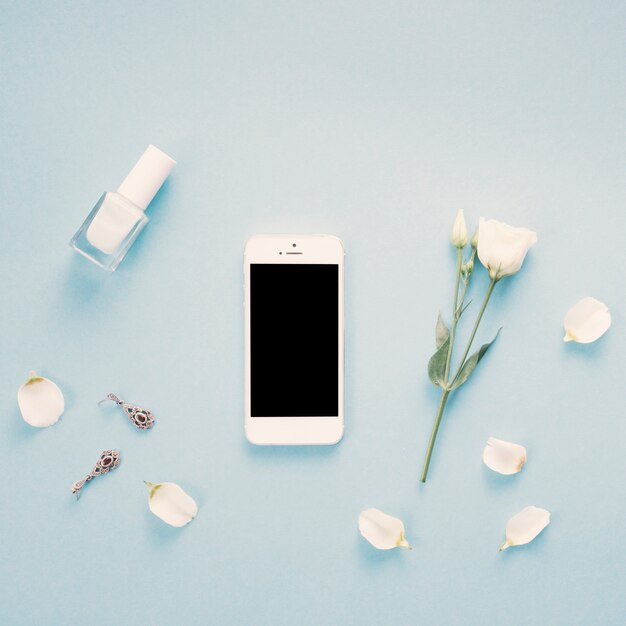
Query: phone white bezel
293	430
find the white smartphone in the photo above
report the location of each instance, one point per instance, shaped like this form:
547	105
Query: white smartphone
294	338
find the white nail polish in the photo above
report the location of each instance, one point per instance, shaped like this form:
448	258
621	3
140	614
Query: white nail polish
118	217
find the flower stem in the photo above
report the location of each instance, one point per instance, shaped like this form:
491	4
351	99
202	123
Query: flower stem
433	435
466	283
455	318
447	390
490	289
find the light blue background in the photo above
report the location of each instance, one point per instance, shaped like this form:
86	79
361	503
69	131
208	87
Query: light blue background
374	121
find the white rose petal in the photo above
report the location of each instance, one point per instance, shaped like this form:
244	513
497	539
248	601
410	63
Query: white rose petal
169	502
459	230
502	248
525	526
382	531
41	401
586	321
504	457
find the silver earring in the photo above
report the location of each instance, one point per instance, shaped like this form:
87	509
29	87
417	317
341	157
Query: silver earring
108	461
141	418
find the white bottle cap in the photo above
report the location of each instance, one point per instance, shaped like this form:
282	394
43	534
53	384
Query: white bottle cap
146	178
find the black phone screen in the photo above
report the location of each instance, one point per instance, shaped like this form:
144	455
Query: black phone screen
294	340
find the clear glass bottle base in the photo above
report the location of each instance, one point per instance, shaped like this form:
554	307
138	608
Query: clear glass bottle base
109	231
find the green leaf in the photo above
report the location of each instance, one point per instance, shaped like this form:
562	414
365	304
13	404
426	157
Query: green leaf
462	308
437	364
472	362
441	332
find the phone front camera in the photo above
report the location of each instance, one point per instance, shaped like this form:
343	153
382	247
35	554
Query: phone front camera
294	245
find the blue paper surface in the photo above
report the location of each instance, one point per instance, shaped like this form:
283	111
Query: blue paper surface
375	122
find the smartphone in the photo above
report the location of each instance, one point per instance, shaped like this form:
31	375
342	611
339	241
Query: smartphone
294	339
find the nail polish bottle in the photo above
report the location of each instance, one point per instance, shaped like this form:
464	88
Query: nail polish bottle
118	217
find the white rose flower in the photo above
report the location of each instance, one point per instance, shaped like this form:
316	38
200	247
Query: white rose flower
474	241
502	248
459	230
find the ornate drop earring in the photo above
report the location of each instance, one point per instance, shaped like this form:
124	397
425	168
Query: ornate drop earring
141	418
108	461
